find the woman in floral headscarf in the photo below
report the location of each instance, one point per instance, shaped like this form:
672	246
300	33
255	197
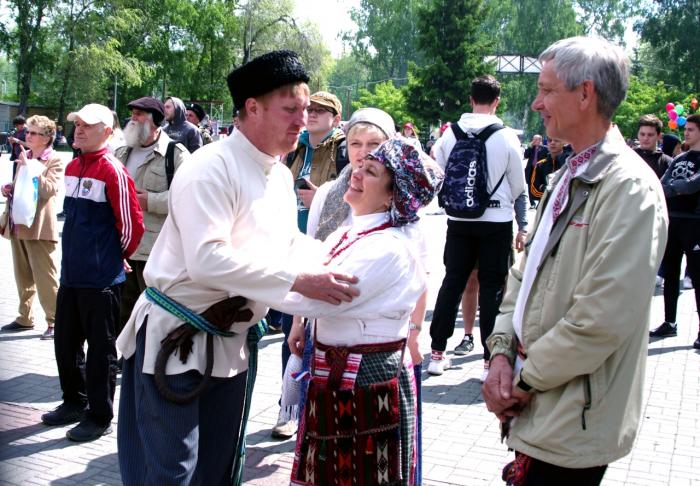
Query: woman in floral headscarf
359	414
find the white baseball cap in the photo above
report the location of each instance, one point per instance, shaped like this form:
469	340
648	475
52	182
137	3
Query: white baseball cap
92	114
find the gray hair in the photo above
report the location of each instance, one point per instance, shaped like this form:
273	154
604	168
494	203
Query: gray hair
578	59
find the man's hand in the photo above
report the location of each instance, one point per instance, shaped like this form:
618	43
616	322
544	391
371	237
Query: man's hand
127	267
498	388
520	240
142	196
296	337
307	195
330	287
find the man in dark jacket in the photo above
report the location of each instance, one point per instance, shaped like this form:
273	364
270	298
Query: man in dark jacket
533	154
648	134
681	184
178	128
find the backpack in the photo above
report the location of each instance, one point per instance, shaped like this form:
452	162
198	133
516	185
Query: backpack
464	192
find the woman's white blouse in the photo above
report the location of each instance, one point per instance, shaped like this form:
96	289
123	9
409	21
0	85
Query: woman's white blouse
391	278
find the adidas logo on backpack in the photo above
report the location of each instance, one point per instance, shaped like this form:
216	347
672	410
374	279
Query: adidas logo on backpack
464	192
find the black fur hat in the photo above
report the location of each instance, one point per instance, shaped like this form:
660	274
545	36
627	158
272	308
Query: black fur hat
264	74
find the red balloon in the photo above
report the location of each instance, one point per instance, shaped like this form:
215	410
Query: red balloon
670	106
694	104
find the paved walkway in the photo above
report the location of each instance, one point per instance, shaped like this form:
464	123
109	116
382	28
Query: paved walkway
461	439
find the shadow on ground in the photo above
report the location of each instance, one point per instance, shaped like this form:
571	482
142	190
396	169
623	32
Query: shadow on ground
93	470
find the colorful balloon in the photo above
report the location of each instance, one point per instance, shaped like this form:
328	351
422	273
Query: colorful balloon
670	106
673	115
681	121
694	104
680	109
672	124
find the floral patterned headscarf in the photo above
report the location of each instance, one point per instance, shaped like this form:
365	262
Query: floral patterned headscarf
417	178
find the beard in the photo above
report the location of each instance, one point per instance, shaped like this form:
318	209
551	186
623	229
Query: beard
136	133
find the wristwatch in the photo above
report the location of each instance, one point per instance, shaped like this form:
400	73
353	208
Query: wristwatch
413	326
522	384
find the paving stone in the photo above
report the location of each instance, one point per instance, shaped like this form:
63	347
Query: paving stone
461	443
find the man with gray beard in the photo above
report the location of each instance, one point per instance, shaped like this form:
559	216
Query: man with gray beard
145	156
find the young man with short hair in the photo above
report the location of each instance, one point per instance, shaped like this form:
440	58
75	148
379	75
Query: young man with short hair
681	184
648	133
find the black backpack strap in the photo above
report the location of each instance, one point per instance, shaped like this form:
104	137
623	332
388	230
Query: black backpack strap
484	135
486	132
459	133
170	162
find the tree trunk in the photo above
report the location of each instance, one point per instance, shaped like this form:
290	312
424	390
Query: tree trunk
27	32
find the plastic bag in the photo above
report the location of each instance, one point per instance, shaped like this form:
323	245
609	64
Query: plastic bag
26	192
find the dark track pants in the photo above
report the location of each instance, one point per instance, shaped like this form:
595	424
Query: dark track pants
160	442
467	243
87	315
683	237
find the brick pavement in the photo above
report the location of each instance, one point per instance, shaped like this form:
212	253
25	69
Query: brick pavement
461	439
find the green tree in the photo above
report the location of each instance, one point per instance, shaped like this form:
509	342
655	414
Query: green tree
386	97
386	39
454	47
672	29
645	98
346	77
26	42
521	28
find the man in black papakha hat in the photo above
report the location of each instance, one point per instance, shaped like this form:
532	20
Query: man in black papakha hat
231	231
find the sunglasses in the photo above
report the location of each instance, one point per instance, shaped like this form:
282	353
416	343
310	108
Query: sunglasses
33	133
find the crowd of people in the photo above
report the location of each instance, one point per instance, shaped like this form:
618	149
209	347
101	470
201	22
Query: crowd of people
173	247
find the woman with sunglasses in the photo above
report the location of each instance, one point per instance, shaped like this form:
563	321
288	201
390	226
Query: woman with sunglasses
34	247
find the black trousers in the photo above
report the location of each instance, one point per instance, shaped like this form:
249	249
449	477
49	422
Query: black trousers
544	474
87	315
683	237
467	243
132	288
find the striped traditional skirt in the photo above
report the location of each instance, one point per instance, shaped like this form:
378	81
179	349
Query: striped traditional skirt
358	427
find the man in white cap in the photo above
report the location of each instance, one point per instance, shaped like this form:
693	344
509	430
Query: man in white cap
231	235
103	226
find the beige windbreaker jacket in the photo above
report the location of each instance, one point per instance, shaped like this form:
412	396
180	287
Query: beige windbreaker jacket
586	321
151	177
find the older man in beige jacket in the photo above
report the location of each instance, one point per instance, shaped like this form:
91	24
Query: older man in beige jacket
570	345
145	155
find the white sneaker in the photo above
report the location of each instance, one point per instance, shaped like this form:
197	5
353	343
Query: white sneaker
687	283
659	281
436	367
284	430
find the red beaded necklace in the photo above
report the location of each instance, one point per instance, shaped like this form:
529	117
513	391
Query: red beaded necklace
337	249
